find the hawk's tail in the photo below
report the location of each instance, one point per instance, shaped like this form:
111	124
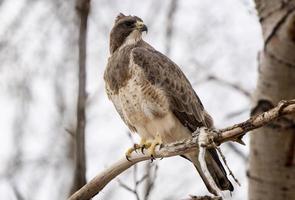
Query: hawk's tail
215	168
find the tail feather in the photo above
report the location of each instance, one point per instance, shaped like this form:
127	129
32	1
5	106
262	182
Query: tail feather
215	168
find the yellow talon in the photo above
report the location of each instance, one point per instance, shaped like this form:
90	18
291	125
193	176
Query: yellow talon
141	146
150	145
128	153
153	144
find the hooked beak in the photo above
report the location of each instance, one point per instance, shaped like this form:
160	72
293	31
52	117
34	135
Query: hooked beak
141	26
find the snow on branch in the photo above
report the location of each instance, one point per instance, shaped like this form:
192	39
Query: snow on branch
233	133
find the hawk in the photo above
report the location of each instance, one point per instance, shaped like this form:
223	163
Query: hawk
153	96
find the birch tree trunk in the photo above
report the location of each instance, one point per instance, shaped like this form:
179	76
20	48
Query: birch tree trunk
272	166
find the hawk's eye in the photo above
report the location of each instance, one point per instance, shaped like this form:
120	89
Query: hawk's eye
129	23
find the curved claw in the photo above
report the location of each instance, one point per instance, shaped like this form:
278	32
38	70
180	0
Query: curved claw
152	158
130	150
134	148
127	158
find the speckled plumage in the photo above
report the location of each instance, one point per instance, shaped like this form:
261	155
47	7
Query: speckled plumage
153	96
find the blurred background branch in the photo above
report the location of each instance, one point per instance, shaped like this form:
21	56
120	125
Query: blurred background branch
82	8
172	9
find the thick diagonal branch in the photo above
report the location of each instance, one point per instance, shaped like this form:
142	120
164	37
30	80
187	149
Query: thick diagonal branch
232	133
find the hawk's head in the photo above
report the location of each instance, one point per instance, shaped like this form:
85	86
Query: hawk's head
127	29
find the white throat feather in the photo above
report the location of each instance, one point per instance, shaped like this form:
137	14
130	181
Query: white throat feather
132	38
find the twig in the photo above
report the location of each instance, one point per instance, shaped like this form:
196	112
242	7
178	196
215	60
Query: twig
232	85
232	133
150	181
123	185
16	191
169	28
204	198
236	113
225	162
134	191
143	178
203	141
241	154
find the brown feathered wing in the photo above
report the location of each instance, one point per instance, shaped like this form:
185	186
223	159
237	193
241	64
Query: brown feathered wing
184	103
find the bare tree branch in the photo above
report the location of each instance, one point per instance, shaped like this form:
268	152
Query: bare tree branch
232	85
82	7
16	191
134	191
236	113
232	133
150	179
136	183
169	28
241	154
204	198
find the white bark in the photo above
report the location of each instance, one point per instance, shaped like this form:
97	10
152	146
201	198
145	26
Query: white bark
272	155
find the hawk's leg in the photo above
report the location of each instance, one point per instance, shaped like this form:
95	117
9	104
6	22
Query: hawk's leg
152	145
